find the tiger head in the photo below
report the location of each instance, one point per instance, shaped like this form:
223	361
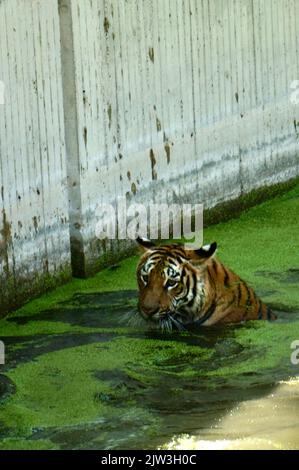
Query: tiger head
171	281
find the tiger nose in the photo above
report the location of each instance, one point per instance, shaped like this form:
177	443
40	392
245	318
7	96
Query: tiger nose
149	309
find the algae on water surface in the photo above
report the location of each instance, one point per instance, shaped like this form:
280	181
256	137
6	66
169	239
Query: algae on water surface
78	376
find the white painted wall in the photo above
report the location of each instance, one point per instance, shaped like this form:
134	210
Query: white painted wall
34	241
158	100
182	100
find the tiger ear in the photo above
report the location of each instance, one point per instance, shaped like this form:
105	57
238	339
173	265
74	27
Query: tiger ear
202	254
145	244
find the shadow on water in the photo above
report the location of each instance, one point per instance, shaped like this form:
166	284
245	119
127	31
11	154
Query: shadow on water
180	382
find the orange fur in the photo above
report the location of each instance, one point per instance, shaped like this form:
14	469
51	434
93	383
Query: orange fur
193	287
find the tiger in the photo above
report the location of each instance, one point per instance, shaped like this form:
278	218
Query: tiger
180	288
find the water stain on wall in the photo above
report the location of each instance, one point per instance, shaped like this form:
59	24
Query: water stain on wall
6	229
35	224
109	112
133	188
158	124
85	135
153	164
5	240
106	25
151	54
167	151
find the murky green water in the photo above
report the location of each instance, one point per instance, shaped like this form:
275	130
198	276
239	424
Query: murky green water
78	376
114	387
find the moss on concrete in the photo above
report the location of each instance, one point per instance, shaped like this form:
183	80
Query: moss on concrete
228	210
16	289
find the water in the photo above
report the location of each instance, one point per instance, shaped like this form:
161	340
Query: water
78	377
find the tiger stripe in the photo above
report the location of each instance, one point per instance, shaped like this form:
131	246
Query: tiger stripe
193	286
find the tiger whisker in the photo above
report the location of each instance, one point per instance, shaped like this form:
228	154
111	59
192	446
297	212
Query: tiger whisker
169	324
166	324
133	319
177	323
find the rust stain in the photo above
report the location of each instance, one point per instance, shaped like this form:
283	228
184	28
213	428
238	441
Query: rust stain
35	223
158	124
167	151
151	54
129	176
133	188
153	164
5	241
109	112
84	98
85	135
6	229
106	25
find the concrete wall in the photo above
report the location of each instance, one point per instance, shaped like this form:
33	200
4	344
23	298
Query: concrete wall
180	101
34	241
158	100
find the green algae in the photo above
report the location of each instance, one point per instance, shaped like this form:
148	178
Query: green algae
74	390
122	278
45	328
45	385
265	347
27	444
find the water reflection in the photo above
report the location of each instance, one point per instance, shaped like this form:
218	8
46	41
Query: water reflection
270	422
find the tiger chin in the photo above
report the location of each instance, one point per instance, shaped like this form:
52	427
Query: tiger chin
181	288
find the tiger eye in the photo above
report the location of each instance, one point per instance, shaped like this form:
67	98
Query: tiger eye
171	283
